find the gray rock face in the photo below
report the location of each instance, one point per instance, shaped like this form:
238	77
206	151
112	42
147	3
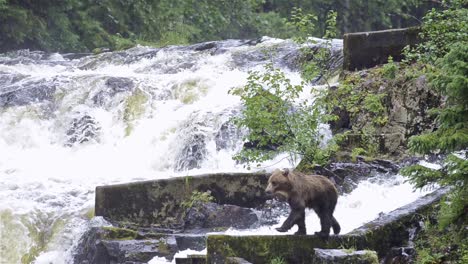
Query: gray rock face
213	215
347	175
342	256
234	260
104	245
113	86
120	84
406	106
30	92
400	255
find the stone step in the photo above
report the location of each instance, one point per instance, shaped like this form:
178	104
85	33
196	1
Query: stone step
192	259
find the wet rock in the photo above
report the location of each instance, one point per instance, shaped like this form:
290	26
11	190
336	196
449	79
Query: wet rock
228	135
347	175
7	79
271	211
120	84
113	86
28	93
204	46
192	259
255	55
225	136
343	256
400	255
193	152
406	103
84	129
216	216
297	57
119	245
138	251
235	260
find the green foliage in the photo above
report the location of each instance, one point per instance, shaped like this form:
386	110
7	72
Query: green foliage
442	245
277	120
316	63
278	260
450	78
362	101
83	25
303	23
440	30
357	152
196	198
448	70
273	25
390	69
330	25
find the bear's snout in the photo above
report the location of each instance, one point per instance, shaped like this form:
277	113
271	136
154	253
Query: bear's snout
269	190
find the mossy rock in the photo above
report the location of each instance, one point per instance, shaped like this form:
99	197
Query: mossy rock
116	233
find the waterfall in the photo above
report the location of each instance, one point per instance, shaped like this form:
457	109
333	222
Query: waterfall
70	122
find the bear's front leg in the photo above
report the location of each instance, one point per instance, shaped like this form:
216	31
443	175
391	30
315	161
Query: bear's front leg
301	225
295	217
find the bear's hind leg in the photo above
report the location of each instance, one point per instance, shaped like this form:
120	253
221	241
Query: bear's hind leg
325	222
335	225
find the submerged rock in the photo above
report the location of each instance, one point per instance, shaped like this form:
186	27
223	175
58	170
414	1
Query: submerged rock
27	93
83	130
192	153
113	86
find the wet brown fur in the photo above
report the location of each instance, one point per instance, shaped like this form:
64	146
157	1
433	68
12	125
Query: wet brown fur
305	191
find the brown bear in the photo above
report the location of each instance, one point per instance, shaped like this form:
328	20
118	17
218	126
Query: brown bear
305	191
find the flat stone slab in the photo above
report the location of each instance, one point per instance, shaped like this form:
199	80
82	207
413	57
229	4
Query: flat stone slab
367	49
159	202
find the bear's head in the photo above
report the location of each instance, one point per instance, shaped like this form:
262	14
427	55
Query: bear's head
279	184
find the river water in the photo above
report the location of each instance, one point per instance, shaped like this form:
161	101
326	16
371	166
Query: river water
70	122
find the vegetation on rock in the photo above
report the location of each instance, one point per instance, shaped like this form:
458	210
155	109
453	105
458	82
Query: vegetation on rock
445	54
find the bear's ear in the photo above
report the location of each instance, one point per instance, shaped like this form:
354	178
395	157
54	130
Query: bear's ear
285	172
